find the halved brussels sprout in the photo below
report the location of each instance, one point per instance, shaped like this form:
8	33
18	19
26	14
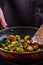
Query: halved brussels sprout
27	37
11	37
20	45
14	43
22	41
30	48
18	37
7	41
35	46
19	49
12	49
6	48
3	45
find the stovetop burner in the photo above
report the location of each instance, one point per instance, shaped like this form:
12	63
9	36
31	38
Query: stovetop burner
4	61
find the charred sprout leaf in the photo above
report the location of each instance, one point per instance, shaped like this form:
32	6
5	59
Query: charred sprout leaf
27	37
17	37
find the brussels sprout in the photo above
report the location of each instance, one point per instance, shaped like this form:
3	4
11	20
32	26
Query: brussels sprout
25	45
6	48
27	37
17	37
20	45
7	41
14	43
10	46
11	37
12	49
22	41
35	46
3	45
19	49
30	48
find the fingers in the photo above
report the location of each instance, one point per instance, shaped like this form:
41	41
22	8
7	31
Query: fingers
2	19
3	23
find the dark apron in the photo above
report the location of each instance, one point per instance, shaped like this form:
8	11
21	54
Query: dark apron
19	12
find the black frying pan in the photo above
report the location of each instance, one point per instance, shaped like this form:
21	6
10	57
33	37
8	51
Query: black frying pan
22	31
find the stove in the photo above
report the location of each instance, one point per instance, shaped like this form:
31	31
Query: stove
4	61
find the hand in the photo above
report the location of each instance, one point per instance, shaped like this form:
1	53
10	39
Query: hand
2	19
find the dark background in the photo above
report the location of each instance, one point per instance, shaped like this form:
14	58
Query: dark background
35	10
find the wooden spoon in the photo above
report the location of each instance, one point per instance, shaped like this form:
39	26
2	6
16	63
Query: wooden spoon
38	37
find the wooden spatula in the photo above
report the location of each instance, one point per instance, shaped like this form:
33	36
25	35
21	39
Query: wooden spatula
38	37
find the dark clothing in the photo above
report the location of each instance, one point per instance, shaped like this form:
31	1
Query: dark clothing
21	12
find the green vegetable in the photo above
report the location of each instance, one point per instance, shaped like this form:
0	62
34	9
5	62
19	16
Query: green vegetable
25	45
19	49
6	48
27	37
7	41
30	48
38	49
17	37
14	43
17	44
20	45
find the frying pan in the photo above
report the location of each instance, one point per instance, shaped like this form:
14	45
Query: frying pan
22	31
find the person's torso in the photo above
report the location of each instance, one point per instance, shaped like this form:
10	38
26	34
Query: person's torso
19	12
